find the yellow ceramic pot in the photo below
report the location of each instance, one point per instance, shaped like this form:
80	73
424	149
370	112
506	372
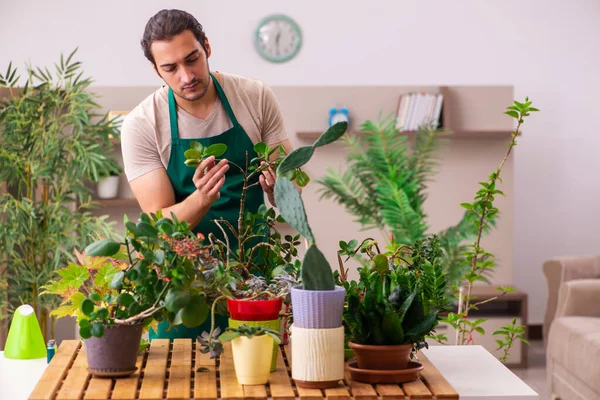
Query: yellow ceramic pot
252	359
273	324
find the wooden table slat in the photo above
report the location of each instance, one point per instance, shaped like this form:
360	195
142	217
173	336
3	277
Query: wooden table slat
338	393
153	381
230	388
359	390
205	383
389	391
438	385
73	386
56	371
98	389
180	372
255	392
279	381
126	388
417	390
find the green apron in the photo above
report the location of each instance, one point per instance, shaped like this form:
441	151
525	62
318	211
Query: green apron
227	206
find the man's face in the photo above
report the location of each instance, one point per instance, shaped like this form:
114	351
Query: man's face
183	64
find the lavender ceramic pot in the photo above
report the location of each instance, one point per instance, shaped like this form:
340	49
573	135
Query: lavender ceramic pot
318	309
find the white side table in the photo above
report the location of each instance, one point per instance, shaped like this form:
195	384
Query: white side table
19	377
477	375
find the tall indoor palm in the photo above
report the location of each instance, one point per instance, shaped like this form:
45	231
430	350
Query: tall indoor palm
385	187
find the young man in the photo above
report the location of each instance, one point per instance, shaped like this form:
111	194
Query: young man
196	105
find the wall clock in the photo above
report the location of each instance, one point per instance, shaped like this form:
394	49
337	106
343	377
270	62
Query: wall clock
277	38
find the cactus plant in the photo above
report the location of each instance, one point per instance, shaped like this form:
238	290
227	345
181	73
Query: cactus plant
316	271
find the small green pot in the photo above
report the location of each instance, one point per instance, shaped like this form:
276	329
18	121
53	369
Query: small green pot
273	324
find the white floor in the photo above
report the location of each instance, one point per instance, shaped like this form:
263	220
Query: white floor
535	374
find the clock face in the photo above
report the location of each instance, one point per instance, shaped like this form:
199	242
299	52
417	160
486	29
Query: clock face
278	38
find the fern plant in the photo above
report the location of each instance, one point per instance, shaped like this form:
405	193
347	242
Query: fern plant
385	186
52	143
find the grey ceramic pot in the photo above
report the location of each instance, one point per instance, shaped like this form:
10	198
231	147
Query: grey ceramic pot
115	353
318	309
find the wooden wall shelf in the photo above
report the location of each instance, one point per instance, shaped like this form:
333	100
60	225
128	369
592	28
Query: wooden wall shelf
484	135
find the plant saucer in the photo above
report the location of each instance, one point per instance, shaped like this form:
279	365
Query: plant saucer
409	374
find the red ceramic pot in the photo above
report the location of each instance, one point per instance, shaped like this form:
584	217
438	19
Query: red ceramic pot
254	310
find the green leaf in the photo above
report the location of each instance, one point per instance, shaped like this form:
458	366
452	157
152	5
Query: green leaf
103	248
159	257
192	163
147	230
260	148
105	275
87	307
295	159
195	312
95	297
513	114
85	332
197	146
302	179
97	329
333	133
176	299
316	271
192	154
102	313
217	150
228	335
73	277
125	299
291	207
117	280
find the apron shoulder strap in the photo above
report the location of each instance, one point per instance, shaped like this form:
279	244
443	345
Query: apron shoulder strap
224	100
173	116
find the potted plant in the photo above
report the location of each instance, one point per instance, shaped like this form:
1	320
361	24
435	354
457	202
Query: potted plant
253	251
108	187
394	306
318	303
53	140
119	288
252	348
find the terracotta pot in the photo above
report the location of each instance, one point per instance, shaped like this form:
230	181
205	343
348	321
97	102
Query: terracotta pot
115	353
254	310
379	357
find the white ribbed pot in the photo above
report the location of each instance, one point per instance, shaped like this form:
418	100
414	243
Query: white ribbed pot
108	188
317	357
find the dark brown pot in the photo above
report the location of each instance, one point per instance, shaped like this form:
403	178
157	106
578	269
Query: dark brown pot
114	354
393	357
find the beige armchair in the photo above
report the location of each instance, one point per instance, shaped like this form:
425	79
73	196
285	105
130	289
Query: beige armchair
572	327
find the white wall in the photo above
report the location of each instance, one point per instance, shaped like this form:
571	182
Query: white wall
549	51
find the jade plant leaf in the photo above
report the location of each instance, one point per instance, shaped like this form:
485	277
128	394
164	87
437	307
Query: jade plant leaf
217	150
103	248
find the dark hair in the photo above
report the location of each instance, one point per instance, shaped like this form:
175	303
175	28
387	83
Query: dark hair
166	24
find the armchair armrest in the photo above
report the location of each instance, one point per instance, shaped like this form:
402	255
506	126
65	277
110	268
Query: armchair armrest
580	297
563	269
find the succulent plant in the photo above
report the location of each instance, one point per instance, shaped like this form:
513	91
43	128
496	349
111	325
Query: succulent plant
316	272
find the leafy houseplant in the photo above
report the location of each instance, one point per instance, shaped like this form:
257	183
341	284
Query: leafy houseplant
395	304
316	305
52	142
480	215
385	187
158	272
258	259
252	348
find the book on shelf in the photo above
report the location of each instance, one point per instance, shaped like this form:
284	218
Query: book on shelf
416	109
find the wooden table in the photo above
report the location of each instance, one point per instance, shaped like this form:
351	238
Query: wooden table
168	370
